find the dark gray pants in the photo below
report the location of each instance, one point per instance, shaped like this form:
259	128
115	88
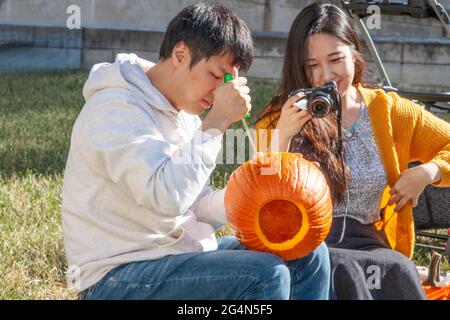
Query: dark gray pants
364	267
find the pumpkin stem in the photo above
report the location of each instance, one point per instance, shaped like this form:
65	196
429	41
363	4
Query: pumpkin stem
433	272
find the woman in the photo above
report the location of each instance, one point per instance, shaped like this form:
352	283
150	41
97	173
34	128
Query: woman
372	235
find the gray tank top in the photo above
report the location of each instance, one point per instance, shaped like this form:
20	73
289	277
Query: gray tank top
368	176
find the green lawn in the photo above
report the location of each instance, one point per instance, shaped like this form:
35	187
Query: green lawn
37	112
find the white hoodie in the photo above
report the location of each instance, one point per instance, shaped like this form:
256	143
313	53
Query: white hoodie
129	193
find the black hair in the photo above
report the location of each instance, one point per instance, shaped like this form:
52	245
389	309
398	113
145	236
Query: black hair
209	30
319	136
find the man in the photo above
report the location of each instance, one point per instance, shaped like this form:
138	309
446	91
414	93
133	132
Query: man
138	211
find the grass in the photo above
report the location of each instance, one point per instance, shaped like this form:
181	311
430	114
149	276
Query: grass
37	112
32	255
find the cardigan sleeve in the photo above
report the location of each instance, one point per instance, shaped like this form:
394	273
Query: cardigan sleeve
431	139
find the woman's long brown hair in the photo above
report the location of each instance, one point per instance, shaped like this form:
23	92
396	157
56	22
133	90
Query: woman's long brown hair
318	139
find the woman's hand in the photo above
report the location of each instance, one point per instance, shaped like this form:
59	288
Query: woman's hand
291	121
411	184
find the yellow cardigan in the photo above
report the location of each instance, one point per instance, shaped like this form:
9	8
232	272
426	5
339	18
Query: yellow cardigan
404	132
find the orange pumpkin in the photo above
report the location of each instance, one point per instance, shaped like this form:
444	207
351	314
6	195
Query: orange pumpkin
437	293
279	203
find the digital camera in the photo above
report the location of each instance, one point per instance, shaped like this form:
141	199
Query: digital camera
321	100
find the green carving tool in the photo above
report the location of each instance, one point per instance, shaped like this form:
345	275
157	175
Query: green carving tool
227	78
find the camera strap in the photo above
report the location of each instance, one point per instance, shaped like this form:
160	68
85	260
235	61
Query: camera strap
341	156
339	127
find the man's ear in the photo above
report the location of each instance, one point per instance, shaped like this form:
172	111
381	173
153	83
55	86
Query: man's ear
180	54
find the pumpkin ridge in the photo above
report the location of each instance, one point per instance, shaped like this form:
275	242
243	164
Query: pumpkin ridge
235	205
306	183
326	206
320	198
271	179
296	174
274	178
255	184
319	212
297	191
247	182
289	176
314	181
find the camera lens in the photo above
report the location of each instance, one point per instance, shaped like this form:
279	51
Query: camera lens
320	106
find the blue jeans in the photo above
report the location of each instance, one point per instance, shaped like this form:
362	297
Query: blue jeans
229	273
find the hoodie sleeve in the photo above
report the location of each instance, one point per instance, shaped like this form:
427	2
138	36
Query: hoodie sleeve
210	207
128	148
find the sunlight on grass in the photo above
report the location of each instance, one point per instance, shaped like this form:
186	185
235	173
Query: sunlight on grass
32	261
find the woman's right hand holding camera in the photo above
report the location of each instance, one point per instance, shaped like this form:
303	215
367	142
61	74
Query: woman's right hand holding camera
291	121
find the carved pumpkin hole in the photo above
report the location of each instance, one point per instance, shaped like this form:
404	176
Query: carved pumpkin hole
280	220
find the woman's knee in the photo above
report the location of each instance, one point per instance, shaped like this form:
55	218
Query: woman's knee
402	264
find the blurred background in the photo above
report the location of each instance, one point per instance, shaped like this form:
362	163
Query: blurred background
34	36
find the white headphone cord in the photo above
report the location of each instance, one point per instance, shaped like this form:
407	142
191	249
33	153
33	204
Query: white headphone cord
344	222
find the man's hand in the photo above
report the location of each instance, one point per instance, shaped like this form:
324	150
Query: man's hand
231	103
411	184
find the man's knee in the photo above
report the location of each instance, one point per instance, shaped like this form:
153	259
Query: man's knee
272	277
321	252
